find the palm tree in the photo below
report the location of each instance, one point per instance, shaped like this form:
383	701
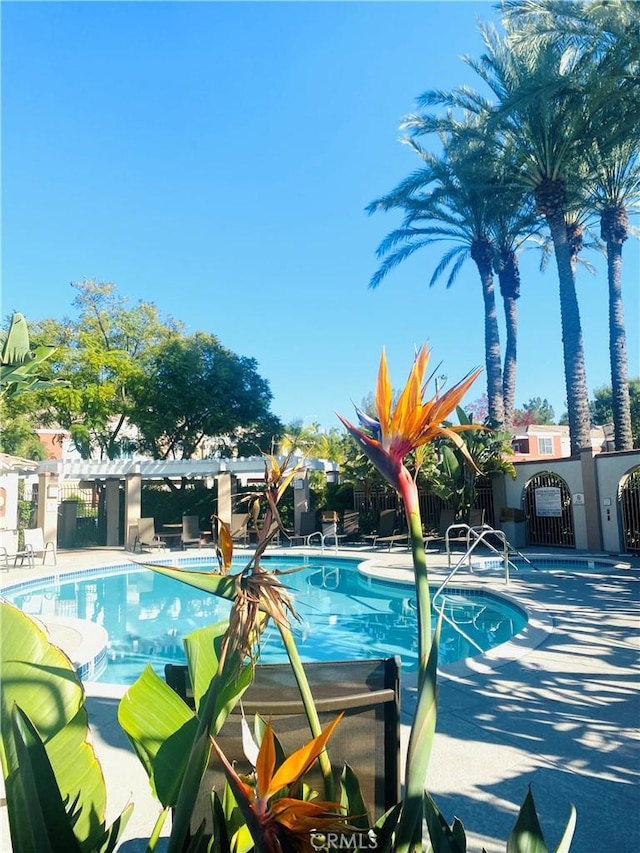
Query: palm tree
541	114
443	202
604	33
613	192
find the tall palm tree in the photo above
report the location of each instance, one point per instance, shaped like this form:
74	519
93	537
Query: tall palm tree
604	34
614	192
513	227
540	114
442	202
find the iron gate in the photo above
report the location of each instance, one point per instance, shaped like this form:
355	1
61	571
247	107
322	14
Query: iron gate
629	499
547	505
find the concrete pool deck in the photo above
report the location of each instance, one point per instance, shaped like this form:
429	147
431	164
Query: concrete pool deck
563	715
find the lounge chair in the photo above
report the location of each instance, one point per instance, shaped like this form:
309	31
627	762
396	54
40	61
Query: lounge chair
447	518
387	532
146	537
367	737
190	531
34	542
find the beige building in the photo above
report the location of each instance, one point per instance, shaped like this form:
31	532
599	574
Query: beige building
552	441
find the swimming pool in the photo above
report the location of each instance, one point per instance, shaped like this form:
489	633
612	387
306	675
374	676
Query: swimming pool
342	614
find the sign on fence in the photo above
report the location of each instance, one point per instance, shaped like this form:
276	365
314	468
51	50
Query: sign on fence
548	502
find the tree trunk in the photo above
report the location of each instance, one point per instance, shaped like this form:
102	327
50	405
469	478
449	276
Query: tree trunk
618	351
509	277
573	350
482	254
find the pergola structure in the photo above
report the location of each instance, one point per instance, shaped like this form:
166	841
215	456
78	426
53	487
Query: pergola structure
132	473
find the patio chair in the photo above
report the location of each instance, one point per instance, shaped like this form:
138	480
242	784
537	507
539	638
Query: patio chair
34	542
146	537
240	527
387	532
330	529
190	531
9	550
367	737
308	527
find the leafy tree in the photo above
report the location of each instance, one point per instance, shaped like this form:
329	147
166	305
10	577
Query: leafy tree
312	441
17	436
196	396
602	408
103	352
536	411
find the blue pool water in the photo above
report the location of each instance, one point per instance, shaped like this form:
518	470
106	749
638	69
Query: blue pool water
342	615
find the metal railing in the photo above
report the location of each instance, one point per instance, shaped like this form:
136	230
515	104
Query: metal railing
476	536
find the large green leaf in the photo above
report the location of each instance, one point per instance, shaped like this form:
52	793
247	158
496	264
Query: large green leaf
226	687
526	836
224	586
162	728
15	341
567	836
49	825
41	680
444	839
351	799
203	649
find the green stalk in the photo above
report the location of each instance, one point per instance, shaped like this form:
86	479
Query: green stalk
423	594
309	706
409	830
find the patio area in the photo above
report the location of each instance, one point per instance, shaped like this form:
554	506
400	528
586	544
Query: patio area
561	714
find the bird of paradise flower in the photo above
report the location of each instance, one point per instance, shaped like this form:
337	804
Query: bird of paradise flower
386	440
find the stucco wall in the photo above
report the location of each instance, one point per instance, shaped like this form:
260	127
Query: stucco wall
571	472
9	514
611	468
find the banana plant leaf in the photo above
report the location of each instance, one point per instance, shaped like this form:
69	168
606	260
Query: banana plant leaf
161	728
204	649
40	679
171	741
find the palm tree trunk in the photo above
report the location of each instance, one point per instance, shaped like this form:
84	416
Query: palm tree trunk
510	356
491	342
573	350
509	277
618	351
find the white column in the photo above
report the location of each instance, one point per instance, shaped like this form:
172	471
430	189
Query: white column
47	511
112	502
132	502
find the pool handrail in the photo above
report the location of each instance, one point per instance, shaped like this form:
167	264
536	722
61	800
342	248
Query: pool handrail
481	535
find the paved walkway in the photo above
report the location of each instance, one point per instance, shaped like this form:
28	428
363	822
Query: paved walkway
559	712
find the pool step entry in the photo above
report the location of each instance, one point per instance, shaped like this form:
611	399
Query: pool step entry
475	536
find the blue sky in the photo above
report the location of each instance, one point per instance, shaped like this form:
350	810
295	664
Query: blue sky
216	159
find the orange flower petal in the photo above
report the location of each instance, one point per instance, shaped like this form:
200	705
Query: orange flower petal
266	762
301	760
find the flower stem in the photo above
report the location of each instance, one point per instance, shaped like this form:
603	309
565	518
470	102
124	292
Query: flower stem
309	706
